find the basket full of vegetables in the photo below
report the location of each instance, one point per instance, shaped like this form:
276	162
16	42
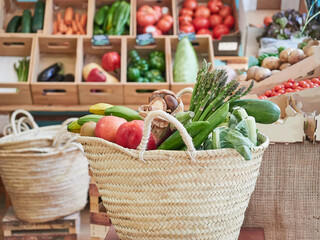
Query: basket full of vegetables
166	173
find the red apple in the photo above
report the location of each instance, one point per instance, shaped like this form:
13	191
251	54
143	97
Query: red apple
107	127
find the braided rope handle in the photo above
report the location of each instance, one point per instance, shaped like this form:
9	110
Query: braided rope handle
17	125
147	130
187	90
21	123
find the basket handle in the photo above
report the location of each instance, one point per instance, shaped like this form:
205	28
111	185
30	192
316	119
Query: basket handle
187	90
18	125
147	130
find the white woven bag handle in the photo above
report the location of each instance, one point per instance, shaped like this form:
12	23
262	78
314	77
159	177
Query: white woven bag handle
18	125
147	130
187	90
21	123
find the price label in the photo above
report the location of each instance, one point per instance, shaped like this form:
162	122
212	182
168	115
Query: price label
228	46
100	40
191	36
145	39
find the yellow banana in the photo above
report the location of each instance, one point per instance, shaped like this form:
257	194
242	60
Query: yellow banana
123	112
99	108
74	127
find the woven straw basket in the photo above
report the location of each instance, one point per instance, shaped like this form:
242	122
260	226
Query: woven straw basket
46	183
173	194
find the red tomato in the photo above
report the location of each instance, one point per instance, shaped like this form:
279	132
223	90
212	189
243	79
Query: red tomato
295	85
204	31
288	85
153	30
214	6
225	11
315	80
277	94
187	28
145	8
289	90
146	15
186	11
299	88
315	85
202	11
220	30
262	97
308	81
291	80
191	4
304	84
311	85
165	24
157	12
281	91
268	93
278	87
267	21
200	23
186	19
229	21
215	19
110	61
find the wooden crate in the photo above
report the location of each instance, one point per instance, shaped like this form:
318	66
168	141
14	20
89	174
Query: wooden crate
14	92
133	92
94	92
79	6
66	228
100	222
171	4
99	3
204	50
11	8
47	51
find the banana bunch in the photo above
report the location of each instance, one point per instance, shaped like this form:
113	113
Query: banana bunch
100	110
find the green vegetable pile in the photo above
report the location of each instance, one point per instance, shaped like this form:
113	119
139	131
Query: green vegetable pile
215	124
113	20
146	70
27	24
22	69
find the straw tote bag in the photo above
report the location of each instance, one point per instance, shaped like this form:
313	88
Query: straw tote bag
46	183
173	194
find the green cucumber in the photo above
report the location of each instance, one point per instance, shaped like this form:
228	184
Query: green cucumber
14	24
38	17
264	111
26	21
100	15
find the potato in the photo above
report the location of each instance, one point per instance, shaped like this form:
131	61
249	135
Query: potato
88	129
262	73
285	54
271	63
295	56
252	72
284	66
274	71
310	50
312	42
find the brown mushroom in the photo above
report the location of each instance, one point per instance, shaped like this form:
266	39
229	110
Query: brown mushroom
172	102
161	93
157	104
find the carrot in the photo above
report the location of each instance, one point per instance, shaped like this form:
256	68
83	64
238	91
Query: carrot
59	18
63	28
68	16
81	30
77	17
55	27
69	31
58	33
74	26
83	20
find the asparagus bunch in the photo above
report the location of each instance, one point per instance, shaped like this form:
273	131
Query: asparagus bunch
211	91
22	70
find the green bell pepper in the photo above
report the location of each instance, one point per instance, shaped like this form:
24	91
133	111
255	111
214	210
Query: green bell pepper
142	79
154	75
134	56
157	61
142	65
133	74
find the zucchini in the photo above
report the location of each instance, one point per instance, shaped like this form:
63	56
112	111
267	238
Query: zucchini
26	21
264	111
100	15
38	17
14	24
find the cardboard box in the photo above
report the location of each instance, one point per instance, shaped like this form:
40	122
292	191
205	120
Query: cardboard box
229	44
251	15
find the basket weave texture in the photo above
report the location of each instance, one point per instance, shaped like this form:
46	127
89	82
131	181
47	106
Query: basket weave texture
173	194
45	183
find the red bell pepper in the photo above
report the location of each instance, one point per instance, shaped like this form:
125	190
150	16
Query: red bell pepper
96	75
111	61
129	135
